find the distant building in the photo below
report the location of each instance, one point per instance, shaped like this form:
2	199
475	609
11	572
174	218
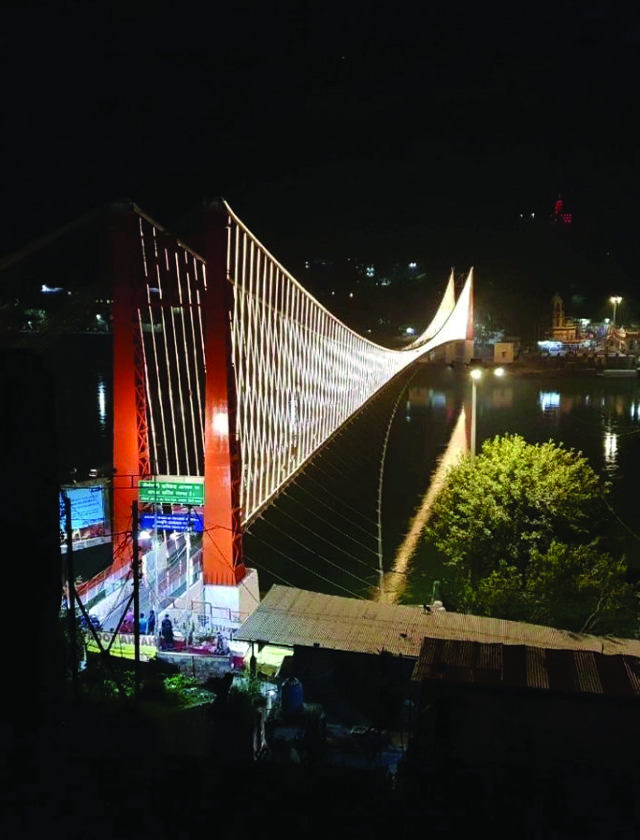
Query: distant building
503	352
562	328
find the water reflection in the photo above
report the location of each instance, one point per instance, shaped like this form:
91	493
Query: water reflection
501	398
102	404
430	397
610	450
549	400
394	580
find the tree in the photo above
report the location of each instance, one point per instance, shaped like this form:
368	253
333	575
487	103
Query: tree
519	526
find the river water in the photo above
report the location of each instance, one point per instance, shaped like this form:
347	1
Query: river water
327	537
595	415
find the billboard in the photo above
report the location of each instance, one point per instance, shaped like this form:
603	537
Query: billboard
89	518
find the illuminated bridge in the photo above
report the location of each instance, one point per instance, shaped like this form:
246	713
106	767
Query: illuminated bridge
229	374
225	367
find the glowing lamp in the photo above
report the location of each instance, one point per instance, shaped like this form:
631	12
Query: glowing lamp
221	423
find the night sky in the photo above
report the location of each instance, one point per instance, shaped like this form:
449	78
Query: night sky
364	127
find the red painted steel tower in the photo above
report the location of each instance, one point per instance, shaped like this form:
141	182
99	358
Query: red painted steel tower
130	433
222	541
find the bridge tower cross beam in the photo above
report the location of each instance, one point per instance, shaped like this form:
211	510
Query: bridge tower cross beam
223	563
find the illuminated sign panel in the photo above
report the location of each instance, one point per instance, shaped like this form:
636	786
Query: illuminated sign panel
172	490
89	519
171	522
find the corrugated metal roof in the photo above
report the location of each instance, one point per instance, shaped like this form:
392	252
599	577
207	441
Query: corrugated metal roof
520	666
289	616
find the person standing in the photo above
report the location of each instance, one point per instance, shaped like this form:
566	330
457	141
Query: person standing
166	633
151	623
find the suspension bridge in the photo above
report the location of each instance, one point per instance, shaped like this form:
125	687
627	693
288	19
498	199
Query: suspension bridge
229	375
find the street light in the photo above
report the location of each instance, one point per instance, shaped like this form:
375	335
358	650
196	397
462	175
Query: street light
615	301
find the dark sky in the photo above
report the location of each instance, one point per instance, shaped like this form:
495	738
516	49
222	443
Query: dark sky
334	127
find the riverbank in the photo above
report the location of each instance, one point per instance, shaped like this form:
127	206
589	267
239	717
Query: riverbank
569	367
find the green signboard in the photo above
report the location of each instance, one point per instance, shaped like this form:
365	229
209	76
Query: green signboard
172	490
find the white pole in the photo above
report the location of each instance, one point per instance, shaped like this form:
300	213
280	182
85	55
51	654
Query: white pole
189	570
473	418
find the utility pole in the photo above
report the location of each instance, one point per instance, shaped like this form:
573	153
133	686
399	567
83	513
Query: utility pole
71	604
135	527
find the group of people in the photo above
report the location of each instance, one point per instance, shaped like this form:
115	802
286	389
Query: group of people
148	625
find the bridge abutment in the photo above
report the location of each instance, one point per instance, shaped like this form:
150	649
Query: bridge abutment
230	605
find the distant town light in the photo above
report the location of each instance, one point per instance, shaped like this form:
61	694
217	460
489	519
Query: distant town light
413	265
98	317
410	331
350	294
550	345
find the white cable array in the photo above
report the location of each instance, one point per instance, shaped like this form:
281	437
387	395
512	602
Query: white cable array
300	373
173	338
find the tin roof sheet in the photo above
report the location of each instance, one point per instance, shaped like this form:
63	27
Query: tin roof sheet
520	666
289	616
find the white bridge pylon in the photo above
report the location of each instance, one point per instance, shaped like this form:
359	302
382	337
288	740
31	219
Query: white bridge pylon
300	373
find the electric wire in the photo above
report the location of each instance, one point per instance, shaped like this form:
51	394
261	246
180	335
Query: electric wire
311	571
270	571
342	503
315	534
317	554
624	524
298	488
345	478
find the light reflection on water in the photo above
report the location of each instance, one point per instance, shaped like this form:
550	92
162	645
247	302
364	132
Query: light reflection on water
610	450
597	417
393	581
549	400
102	404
